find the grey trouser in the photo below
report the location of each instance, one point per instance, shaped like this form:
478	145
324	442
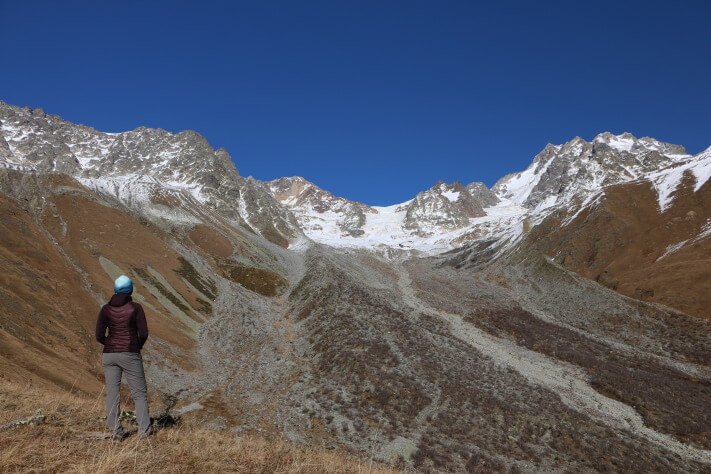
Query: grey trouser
131	364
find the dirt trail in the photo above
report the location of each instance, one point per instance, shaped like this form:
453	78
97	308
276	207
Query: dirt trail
567	381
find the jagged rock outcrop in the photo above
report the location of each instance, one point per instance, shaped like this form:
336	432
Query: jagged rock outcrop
316	208
442	207
483	195
448	216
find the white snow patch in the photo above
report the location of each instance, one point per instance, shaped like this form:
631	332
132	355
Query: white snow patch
590	201
384	230
622	144
671	249
451	195
520	185
706	232
667	181
549	201
301	244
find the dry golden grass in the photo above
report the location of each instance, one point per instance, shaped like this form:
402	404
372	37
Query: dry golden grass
68	442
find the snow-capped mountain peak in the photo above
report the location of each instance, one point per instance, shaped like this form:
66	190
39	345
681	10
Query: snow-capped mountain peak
560	173
133	167
443	207
317	209
629	143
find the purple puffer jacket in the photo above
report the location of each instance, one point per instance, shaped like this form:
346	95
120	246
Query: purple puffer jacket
126	323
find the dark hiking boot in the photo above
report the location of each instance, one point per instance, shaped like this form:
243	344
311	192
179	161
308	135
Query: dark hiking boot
149	432
119	436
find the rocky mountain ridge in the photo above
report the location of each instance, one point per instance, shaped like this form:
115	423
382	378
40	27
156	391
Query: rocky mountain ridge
561	172
137	166
133	166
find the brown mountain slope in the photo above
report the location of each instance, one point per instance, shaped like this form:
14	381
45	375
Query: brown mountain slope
44	322
61	253
627	244
61	247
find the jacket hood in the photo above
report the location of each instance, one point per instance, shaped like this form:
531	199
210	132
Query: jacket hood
119	299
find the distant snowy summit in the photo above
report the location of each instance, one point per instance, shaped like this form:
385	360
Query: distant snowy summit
450	214
561	172
417	223
134	168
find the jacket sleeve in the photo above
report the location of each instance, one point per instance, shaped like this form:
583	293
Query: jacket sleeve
141	326
101	327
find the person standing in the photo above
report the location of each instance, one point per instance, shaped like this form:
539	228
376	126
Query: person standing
121	327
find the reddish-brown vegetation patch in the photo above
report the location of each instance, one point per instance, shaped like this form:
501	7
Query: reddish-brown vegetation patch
93	230
273	236
48	297
211	241
262	281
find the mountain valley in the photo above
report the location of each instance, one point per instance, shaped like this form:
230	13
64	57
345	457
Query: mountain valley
558	321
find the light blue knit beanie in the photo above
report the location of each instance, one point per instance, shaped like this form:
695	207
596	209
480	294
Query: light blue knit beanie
123	284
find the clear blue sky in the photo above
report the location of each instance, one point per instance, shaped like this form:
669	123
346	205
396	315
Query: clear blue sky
374	101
